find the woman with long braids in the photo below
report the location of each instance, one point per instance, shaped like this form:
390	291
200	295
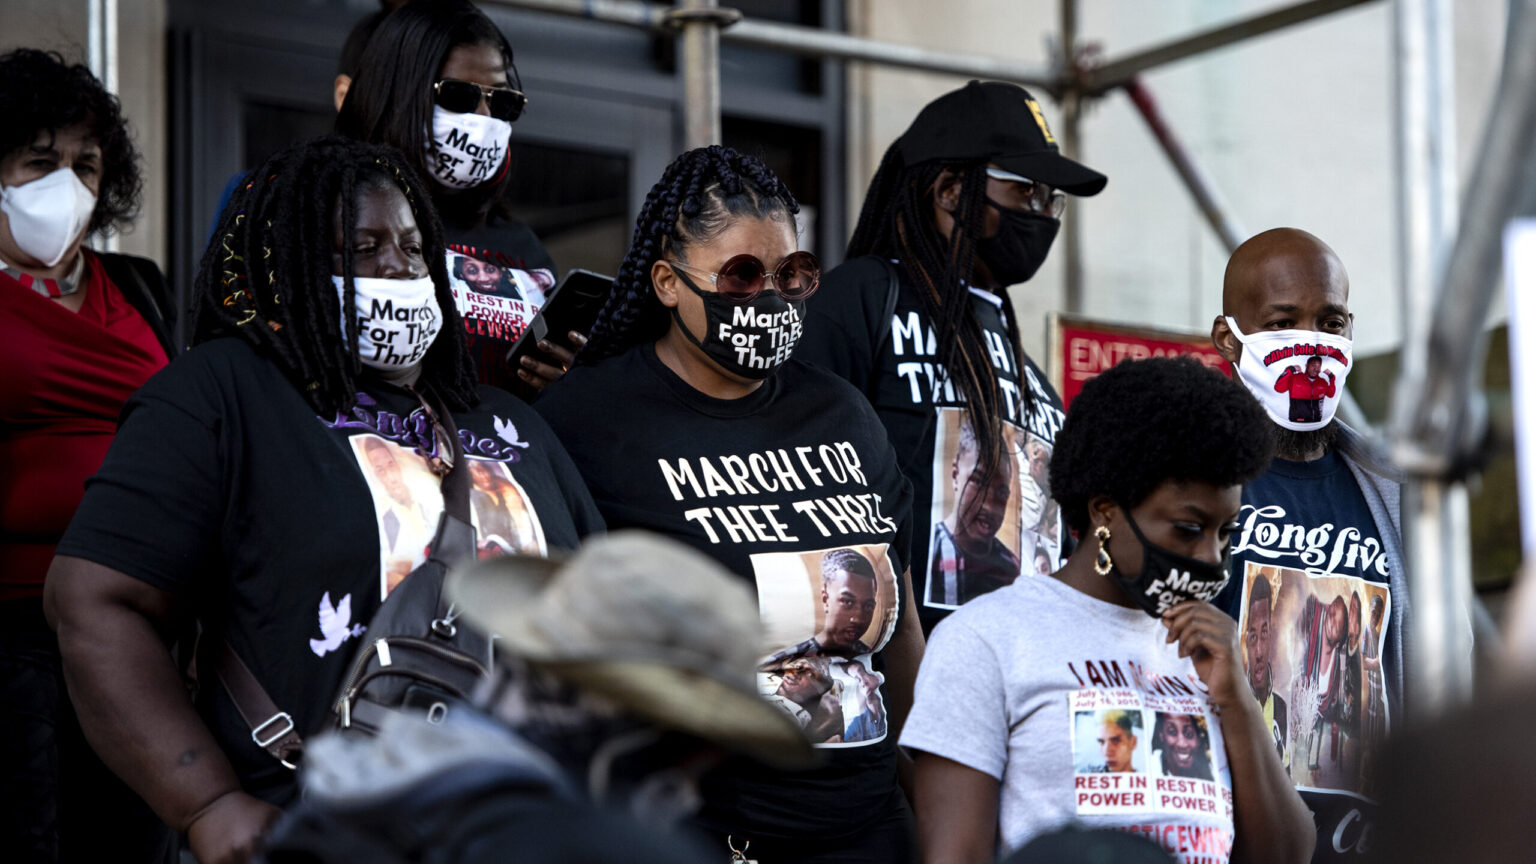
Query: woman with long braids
261	483
777	469
437	81
965	204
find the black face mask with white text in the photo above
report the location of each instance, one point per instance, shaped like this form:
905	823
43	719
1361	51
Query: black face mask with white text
1168	578
747	339
1020	245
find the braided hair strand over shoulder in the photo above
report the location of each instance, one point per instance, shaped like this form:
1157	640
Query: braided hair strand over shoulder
266	277
698	196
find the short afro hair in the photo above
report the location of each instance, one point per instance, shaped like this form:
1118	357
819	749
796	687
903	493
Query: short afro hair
40	93
1147	421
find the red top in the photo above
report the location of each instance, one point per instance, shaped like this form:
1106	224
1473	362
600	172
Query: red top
1302	387
66	376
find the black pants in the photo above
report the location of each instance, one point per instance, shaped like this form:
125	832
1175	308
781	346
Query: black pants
891	839
61	803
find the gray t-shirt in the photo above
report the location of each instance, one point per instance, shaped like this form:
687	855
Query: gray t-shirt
1083	713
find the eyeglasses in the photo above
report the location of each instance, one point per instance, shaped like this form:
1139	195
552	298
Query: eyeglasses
742	278
1038	197
463	97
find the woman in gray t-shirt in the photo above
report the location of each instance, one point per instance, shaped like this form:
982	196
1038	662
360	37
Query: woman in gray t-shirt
1111	692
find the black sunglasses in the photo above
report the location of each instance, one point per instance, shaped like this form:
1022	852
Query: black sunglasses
742	278
463	97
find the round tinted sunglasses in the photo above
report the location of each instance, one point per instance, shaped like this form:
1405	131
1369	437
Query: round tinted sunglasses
743	277
463	97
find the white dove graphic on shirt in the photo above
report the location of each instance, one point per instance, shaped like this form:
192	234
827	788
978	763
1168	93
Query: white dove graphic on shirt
508	432
335	625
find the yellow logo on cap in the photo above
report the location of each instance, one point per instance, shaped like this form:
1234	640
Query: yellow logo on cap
1034	108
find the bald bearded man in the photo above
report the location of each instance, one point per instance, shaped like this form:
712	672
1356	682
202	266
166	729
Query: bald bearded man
1322	522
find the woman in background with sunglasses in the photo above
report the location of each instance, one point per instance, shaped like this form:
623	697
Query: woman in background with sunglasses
437	82
687	416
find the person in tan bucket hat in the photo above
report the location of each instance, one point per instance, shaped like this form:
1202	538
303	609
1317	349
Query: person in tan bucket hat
623	673
646	623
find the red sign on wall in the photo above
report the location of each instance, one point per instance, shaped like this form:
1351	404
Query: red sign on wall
1081	348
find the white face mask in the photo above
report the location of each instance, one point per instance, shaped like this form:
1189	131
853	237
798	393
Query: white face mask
466	149
48	214
397	319
1297	375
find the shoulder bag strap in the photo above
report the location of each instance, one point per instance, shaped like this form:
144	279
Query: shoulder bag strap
272	729
127	273
892	293
454	542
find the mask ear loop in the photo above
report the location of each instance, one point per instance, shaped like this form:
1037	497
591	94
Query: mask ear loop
1236	333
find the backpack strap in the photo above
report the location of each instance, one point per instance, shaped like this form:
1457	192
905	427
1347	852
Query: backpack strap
892	293
141	282
272	729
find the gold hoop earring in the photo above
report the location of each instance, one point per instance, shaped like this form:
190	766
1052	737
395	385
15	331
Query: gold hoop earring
1102	563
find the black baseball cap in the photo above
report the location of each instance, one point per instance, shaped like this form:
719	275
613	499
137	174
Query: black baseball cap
1001	123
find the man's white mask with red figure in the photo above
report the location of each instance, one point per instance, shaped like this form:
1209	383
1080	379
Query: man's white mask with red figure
1297	375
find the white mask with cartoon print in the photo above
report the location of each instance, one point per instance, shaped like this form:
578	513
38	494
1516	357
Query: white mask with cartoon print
1297	375
466	149
397	319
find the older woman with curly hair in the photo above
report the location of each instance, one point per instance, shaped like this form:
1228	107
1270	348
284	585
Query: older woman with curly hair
1014	694
79	332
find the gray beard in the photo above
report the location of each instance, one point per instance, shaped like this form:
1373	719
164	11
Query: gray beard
1297	446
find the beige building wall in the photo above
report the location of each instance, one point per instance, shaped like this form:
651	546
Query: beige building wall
1294	128
61	25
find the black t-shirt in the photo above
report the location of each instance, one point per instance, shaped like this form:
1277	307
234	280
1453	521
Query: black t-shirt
1306	528
285	530
893	362
501	275
795	489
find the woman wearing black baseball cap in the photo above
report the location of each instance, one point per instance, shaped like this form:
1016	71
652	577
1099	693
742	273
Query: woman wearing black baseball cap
966	203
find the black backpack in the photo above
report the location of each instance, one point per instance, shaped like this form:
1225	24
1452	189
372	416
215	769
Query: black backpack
414	656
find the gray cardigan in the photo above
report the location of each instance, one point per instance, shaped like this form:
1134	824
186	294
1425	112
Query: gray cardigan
1381	484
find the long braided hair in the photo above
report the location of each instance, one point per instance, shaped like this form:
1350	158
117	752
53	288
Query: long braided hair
897	222
695	200
266	277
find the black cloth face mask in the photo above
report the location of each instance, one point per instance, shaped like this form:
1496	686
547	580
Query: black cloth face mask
1168	578
747	339
1020	245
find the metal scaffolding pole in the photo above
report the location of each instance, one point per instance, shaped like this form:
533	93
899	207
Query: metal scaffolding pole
101	51
1439	418
700	22
1070	137
806	41
1200	187
1114	73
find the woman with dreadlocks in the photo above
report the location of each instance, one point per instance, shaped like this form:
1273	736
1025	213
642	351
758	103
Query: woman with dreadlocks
777	469
965	204
264	483
437	81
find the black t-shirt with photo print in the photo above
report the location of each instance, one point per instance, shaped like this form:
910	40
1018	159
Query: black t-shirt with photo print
795	488
513	277
224	488
894	364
